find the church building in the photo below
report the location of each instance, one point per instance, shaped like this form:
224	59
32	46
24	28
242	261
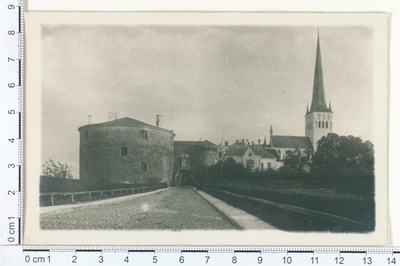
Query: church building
318	119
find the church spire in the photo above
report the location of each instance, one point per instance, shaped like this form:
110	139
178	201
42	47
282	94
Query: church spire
318	103
271	131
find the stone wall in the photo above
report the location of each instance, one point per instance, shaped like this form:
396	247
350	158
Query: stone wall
121	154
197	155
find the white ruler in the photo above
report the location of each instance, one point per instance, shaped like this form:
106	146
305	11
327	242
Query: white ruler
11	197
221	256
11	117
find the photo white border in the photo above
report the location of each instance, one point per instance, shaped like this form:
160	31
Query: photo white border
32	232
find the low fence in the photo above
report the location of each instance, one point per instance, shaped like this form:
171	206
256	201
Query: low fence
58	198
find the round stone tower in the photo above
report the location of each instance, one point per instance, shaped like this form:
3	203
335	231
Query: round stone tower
126	151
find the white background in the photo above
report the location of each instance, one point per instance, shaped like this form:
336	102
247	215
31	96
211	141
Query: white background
390	6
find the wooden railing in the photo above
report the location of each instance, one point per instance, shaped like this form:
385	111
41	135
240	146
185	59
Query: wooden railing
57	198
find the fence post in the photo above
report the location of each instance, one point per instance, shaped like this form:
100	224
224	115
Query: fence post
52	199
72	198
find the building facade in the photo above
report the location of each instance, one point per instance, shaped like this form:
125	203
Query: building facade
284	144
253	156
126	151
189	156
319	119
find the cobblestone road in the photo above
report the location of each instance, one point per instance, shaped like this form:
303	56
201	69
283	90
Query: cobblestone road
173	209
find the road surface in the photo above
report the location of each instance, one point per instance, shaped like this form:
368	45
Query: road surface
172	209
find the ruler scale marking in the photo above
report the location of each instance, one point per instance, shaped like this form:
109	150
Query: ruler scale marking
141	251
194	251
88	250
300	251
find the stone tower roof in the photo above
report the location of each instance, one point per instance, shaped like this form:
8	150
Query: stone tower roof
126	121
318	103
194	143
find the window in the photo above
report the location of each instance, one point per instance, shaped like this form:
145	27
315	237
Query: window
319	124
143	134
143	166
262	166
124	151
326	124
249	164
323	124
269	165
184	162
250	154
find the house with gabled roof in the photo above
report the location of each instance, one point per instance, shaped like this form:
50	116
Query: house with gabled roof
253	157
269	159
243	153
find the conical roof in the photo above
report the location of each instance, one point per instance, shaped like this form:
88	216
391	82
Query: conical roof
318	103
126	121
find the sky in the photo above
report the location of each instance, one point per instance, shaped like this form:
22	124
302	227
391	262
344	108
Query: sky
208	82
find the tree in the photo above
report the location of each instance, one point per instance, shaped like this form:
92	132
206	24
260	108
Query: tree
202	175
296	159
57	170
228	169
344	155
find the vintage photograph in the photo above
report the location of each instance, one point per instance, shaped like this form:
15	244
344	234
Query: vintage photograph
196	123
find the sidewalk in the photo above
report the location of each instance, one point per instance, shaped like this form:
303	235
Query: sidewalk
70	207
240	217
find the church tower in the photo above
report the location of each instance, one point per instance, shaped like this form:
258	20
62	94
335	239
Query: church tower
319	117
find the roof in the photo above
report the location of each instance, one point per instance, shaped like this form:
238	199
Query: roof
258	149
237	149
265	153
126	121
273	152
194	143
293	142
318	103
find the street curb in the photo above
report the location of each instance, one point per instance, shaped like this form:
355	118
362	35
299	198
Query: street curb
229	219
